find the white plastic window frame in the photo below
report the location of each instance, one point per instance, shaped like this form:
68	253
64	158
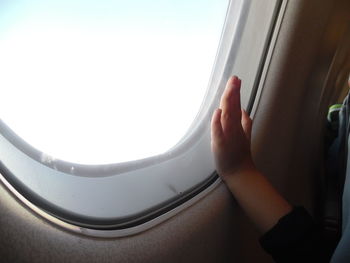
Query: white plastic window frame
127	198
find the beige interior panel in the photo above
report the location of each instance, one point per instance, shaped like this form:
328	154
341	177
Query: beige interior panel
203	233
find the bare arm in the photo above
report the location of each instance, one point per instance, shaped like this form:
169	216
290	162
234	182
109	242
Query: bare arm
231	130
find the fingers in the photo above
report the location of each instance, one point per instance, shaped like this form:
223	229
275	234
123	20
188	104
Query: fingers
216	128
236	96
247	124
231	105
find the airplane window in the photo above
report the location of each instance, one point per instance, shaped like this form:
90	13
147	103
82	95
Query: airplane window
106	105
105	81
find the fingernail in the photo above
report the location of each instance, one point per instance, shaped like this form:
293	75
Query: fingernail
236	81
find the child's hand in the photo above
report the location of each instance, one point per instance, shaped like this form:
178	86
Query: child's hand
230	133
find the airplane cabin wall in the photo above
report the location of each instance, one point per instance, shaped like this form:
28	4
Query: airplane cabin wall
286	145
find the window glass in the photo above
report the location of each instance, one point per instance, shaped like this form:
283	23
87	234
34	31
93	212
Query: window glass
105	81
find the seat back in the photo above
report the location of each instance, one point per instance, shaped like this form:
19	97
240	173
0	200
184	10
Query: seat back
342	252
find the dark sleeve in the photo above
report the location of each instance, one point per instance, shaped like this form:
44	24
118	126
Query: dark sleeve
295	238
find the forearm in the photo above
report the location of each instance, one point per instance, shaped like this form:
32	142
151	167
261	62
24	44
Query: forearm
258	198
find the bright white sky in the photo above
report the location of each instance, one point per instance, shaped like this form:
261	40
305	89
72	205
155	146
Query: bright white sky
105	81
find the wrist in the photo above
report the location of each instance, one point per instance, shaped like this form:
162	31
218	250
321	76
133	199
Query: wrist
246	169
241	179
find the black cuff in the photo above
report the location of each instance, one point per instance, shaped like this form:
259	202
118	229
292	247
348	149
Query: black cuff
294	237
